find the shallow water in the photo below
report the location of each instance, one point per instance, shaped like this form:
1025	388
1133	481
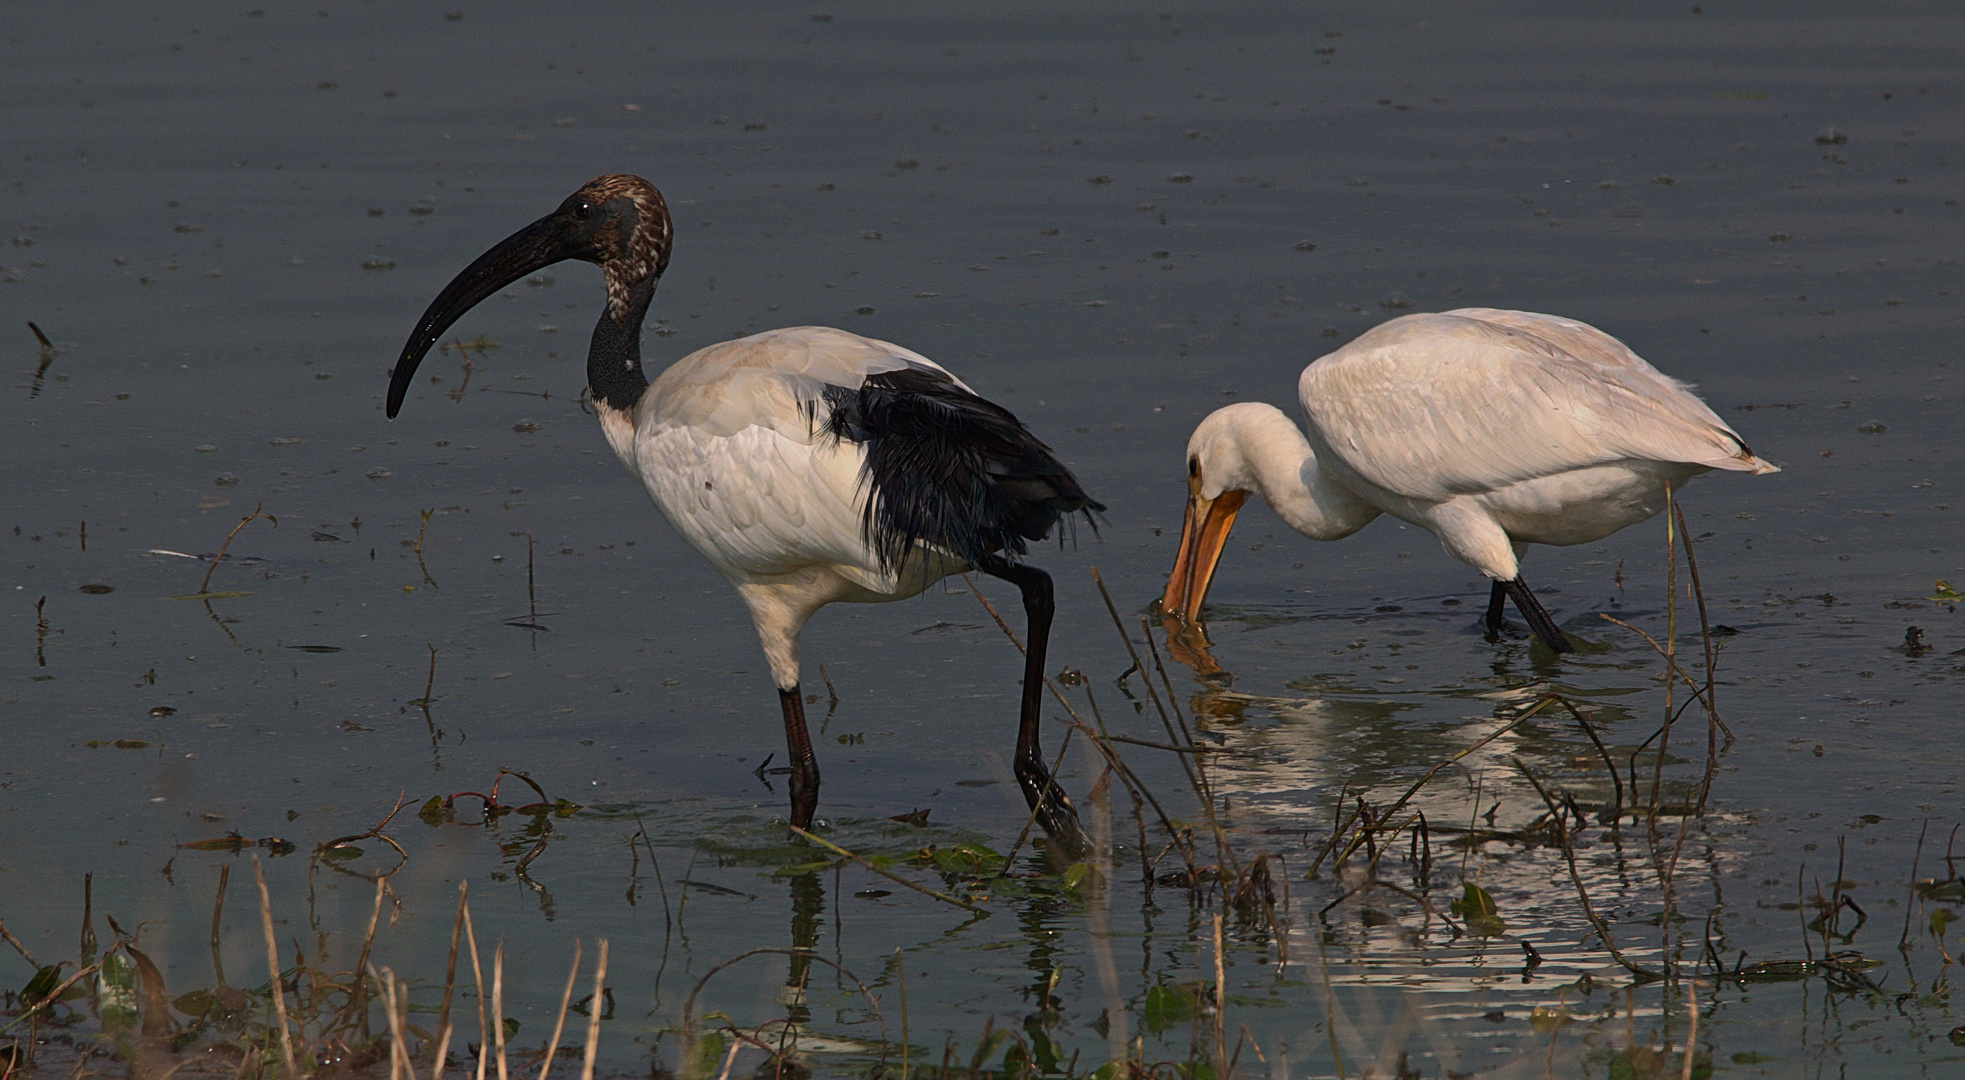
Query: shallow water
1109	219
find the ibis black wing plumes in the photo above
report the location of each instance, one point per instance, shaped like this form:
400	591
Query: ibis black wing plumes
950	469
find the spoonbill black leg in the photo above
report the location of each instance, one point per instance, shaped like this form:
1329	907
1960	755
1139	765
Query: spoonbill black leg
1054	810
1537	616
1497	602
804	778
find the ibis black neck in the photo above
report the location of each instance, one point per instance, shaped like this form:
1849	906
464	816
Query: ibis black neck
614	371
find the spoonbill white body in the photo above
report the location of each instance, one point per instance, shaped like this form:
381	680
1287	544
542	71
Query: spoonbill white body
1490	429
808	465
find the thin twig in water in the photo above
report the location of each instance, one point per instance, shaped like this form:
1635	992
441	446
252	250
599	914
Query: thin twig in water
689	1003
1153	695
1393	811
19	947
1616	778
1197	772
418	548
205	586
1910	905
1697	691
1138	790
1576	878
1705	625
1671	665
218	911
888	874
1031	819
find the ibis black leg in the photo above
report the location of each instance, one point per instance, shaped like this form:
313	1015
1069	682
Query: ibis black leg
1537	616
1497	599
804	779
1040	790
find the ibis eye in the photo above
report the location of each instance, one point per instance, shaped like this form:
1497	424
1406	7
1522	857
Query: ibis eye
583	209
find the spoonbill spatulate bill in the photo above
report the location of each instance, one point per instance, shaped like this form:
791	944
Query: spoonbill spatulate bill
1490	429
808	465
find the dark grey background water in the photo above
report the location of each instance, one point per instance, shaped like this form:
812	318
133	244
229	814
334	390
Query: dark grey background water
1111	219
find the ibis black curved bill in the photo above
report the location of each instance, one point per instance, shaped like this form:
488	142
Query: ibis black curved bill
538	245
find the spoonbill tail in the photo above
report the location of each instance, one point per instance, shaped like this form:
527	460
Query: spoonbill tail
808	465
1490	429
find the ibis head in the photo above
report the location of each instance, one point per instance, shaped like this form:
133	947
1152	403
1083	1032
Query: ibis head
617	222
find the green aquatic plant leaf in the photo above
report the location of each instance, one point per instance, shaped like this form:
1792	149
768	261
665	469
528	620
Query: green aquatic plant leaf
41	985
1165	1006
704	1056
1075	875
434	811
1477	908
116	992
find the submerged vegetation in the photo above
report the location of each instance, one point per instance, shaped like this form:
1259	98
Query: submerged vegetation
1595	863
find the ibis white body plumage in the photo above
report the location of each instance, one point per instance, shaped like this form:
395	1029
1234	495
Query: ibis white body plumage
730	445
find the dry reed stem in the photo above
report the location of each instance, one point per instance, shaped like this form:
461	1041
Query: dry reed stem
395	1001
356	1008
498	1004
1692	1031
449	983
559	1020
443	1050
593	1013
1220	1003
730	1059
218	911
477	978
1616	778
273	963
900	970
389	1006
888	874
